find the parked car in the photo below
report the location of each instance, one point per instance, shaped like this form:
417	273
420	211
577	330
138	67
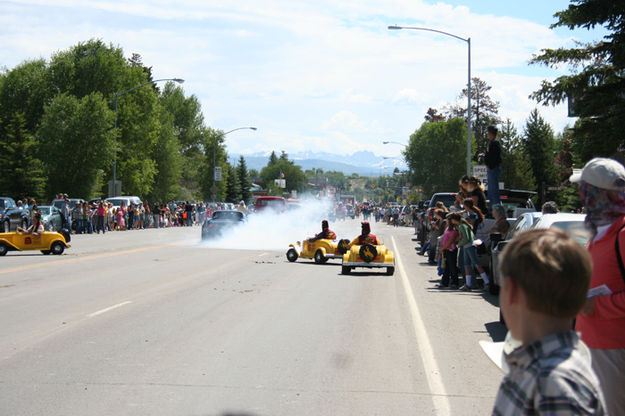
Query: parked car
12	216
58	203
572	224
126	200
524	222
517	202
425	221
50	217
220	222
276	204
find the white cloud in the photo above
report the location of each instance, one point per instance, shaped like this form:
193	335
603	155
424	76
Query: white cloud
311	75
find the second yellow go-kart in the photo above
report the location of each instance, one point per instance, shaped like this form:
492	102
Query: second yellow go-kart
369	256
320	250
46	242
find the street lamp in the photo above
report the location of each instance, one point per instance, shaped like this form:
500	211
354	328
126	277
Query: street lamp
214	187
388	142
468	41
119	94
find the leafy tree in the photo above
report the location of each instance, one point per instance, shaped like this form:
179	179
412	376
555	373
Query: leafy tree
76	141
293	174
484	111
92	66
24	90
233	187
596	86
539	145
432	115
245	182
214	150
21	173
188	127
166	154
436	154
516	170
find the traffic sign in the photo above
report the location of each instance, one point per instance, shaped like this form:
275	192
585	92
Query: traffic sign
217	173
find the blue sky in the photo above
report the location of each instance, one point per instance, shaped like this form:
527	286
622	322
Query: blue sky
317	75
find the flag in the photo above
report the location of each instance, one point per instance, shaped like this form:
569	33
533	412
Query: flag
281	174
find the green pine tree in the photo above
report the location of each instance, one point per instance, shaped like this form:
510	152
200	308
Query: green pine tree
539	146
21	173
233	188
245	182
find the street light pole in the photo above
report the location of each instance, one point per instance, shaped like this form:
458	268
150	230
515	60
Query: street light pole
468	41
214	187
117	95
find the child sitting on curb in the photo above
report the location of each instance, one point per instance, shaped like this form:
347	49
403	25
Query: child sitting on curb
545	279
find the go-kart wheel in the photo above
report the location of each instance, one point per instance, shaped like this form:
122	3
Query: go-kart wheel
57	248
45	252
291	255
319	257
3	249
343	246
390	271
346	270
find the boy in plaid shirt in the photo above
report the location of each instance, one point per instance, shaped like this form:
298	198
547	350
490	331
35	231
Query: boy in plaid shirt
546	275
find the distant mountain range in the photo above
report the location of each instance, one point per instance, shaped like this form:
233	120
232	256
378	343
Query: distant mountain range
364	163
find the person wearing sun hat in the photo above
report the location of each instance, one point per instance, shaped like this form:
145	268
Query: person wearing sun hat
602	320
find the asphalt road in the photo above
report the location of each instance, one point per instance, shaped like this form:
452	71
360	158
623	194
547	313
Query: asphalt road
150	322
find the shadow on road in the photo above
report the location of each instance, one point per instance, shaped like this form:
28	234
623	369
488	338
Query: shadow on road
496	330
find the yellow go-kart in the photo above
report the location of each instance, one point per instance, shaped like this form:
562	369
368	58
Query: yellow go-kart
369	256
47	242
320	250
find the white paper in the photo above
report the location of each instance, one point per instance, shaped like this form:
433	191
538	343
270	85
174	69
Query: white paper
598	291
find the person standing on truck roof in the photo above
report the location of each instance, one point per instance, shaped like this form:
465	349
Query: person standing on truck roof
493	166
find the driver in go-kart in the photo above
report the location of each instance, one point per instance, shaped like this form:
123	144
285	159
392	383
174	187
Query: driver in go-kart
365	237
326	233
36	229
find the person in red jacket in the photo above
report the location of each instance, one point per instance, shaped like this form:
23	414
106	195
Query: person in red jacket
365	236
602	320
326	232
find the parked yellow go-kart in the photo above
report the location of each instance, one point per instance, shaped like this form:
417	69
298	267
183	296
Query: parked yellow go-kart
369	256
46	242
320	250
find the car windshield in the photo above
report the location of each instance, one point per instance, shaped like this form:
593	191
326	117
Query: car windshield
447	200
575	229
44	210
228	215
269	203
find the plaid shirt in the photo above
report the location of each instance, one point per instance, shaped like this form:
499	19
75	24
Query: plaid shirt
549	377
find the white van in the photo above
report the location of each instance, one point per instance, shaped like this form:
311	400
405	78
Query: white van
126	200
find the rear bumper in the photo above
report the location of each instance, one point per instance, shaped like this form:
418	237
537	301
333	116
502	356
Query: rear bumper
370	265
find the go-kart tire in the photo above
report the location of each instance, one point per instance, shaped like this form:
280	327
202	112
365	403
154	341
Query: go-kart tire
57	248
346	270
45	252
390	271
3	250
343	246
319	257
291	255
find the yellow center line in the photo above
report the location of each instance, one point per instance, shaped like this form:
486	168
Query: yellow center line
91	257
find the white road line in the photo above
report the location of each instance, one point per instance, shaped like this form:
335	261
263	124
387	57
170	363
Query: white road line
432	371
110	308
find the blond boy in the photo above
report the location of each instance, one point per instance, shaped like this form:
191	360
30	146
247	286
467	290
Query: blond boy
545	281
